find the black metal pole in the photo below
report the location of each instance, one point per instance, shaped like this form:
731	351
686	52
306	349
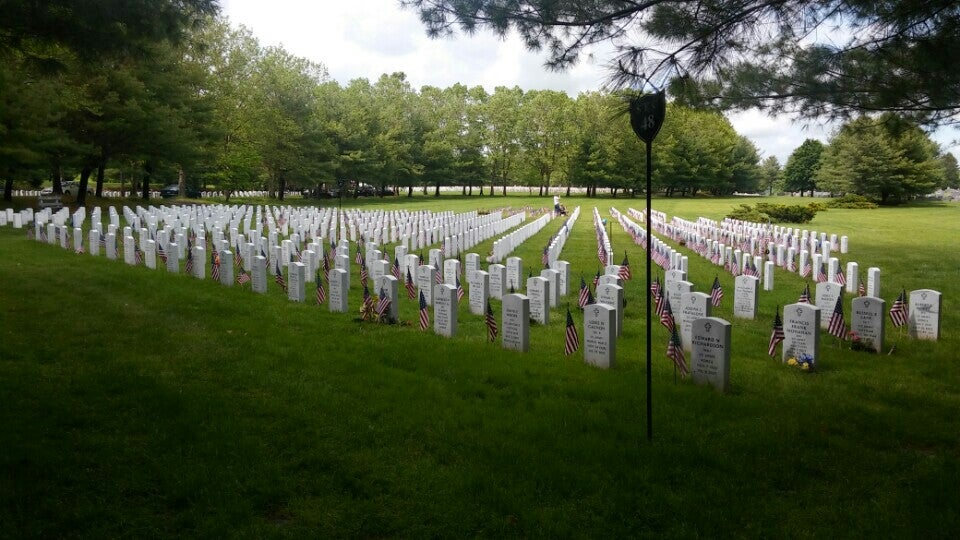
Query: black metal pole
649	300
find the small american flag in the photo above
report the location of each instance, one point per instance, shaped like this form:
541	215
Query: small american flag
326	263
584	292
278	277
822	273
841	279
625	273
571	340
861	289
424	313
438	277
161	253
366	305
675	353
243	276
460	292
79	250
395	269
359	258
383	305
596	280
137	253
491	322
214	266
837	326
777	335
898	311
411	290
666	315
655	286
804	295
545	257
188	268
363	273
601	253
237	257
805	269
716	294
321	291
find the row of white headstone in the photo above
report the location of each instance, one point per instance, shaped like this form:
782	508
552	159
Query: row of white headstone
505	245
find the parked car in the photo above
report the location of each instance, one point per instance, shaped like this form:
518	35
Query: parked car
173	190
385	192
73	189
317	193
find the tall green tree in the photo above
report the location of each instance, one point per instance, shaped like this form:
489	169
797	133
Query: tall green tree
815	58
884	158
951	173
800	172
546	129
771	175
502	133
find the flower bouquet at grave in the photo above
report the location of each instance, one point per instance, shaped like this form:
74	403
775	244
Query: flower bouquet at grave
802	361
858	343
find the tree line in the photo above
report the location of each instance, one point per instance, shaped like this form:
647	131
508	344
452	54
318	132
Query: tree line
210	106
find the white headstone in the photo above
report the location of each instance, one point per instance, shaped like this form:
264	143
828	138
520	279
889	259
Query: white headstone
553	283
599	336
675	290
867	321
563	267
94	242
923	319
445	310
339	285
479	291
873	282
801	331
390	286
514	274
745	297
710	353
426	279
853	277
173	258
516	322
826	299
498	280
472	262
128	255
111	246
451	271
693	306
768	276
226	268
296	282
258	273
539	295
612	295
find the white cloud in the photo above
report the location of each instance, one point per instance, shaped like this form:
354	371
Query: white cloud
366	38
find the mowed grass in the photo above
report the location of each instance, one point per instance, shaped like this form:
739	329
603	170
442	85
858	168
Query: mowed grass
140	403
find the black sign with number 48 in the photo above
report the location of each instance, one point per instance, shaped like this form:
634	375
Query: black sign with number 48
646	115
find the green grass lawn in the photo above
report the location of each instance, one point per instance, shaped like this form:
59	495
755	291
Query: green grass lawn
140	403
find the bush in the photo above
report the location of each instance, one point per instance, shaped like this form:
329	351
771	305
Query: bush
788	214
817	207
747	213
779	213
852	201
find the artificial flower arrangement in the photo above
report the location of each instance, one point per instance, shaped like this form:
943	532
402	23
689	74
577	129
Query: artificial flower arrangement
858	343
803	361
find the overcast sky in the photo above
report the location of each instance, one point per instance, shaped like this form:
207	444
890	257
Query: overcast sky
365	38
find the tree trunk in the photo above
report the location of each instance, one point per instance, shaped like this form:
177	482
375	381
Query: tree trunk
147	172
100	168
410	191
84	180
8	188
58	180
504	186
436	192
281	186
568	190
181	181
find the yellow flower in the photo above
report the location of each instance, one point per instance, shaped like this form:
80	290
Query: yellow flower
806	366
792	362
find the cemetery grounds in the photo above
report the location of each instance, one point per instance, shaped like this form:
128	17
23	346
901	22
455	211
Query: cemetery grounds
142	403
